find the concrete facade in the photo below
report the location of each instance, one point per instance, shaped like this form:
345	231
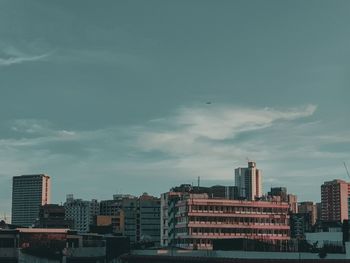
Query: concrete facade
142	219
81	212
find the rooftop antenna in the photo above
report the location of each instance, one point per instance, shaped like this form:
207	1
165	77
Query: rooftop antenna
346	169
199	181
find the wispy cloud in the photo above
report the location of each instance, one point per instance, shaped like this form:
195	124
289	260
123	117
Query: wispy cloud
193	126
18	60
34	132
10	56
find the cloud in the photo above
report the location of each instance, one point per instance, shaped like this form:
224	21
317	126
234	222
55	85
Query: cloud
34	132
192	127
11	56
192	141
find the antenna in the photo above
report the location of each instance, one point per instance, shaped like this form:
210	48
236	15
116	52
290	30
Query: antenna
199	181
346	169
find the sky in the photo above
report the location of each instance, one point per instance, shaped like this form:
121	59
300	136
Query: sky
112	96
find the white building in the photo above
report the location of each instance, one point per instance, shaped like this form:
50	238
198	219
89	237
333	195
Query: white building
249	181
81	212
29	192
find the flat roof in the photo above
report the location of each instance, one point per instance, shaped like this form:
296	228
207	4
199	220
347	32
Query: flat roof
31	175
44	230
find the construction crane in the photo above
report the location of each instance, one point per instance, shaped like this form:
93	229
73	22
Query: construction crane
346	169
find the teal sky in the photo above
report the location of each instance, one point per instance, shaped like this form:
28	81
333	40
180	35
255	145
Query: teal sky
110	96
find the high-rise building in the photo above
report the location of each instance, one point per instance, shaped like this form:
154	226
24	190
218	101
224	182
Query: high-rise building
29	192
334	200
249	181
81	212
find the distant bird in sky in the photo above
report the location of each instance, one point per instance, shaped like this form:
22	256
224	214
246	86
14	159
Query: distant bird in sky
208	102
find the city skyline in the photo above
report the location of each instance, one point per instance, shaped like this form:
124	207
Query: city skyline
129	97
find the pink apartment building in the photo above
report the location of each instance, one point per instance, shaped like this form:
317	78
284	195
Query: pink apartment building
200	220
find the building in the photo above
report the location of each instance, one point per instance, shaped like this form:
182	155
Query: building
334	200
192	221
130	206
9	240
110	207
142	219
249	181
116	222
279	191
168	212
216	191
319	211
53	216
169	209
113	207
293	203
149	218
59	245
309	207
199	220
300	223
81	212
29	192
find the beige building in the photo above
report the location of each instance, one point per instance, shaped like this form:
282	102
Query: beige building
249	181
116	221
293	203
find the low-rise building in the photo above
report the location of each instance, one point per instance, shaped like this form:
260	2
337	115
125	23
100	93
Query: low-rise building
199	220
53	216
117	222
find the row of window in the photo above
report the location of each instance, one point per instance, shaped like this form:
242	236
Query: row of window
235	209
233	231
236	220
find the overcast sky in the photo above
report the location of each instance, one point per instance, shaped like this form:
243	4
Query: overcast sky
111	96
